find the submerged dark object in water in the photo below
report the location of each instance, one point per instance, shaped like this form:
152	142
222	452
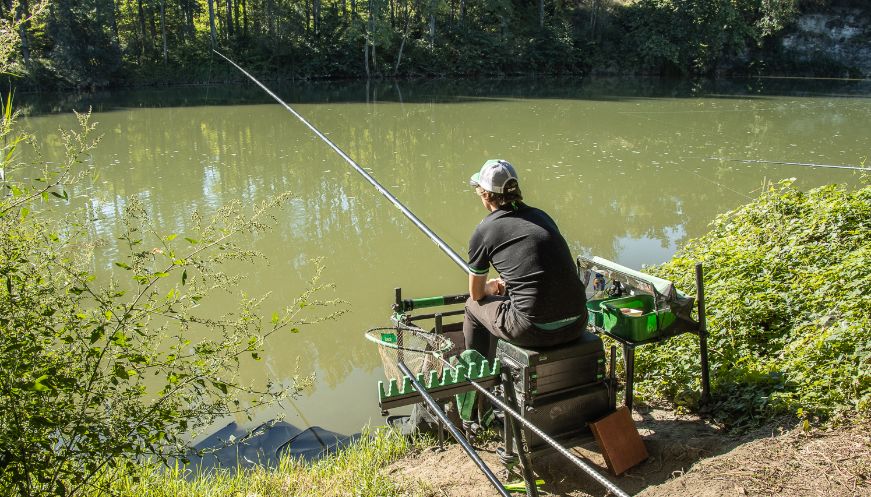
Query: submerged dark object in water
232	447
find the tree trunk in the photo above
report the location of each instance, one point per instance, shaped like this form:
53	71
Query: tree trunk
371	37
21	13
462	12
116	12
236	16
189	29
270	32
142	34
401	47
152	24
229	18
212	31
316	15
366	58
245	18
432	31
163	29
541	13
432	8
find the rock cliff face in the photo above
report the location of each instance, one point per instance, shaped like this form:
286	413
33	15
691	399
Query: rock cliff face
841	36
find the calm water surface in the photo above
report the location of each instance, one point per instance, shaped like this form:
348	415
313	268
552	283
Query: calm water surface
622	167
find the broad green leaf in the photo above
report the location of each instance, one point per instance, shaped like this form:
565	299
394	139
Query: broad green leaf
38	384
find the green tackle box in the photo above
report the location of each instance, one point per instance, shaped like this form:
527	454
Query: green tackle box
594	311
635	328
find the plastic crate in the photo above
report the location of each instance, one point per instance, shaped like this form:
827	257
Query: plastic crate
635	328
594	311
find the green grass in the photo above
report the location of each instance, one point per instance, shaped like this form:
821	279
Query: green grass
357	470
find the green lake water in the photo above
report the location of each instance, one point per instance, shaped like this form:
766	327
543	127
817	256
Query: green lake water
625	169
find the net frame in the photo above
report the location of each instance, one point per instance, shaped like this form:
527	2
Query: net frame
420	350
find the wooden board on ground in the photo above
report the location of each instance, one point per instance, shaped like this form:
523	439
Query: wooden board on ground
619	440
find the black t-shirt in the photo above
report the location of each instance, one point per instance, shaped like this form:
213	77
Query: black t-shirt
529	253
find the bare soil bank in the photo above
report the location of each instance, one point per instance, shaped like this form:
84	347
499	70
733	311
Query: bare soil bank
688	457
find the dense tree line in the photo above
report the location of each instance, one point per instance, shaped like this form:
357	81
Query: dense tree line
94	43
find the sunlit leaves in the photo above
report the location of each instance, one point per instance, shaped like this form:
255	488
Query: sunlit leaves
101	371
40	384
787	279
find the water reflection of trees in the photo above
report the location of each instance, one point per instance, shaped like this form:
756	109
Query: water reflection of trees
608	169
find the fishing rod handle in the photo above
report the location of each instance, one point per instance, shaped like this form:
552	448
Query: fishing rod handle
421	303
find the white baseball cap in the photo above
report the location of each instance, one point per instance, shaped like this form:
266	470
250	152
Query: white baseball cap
494	176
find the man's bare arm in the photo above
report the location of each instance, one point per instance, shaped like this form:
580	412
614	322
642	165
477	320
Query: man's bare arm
480	286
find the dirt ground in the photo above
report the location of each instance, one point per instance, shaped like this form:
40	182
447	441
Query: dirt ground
688	457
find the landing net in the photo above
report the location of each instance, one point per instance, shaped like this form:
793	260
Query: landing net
419	349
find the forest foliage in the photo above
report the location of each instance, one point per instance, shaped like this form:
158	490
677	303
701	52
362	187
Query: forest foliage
99	43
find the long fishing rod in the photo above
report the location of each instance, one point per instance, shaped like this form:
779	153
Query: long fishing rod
805	164
410	215
455	257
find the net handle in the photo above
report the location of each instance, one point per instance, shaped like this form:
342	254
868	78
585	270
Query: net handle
438	352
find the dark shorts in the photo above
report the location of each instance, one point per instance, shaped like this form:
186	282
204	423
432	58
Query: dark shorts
494	317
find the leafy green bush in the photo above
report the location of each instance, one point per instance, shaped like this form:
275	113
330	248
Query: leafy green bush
98	372
788	298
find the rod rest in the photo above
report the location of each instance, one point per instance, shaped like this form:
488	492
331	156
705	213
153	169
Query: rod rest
450	378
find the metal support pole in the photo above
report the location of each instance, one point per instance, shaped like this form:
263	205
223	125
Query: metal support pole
703	336
515	432
612	377
454	431
547	438
629	361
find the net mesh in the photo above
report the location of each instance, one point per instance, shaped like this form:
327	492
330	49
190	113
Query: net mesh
419	349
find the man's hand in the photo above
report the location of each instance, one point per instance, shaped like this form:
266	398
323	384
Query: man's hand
480	287
496	286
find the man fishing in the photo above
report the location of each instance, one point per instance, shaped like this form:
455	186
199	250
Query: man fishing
538	299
